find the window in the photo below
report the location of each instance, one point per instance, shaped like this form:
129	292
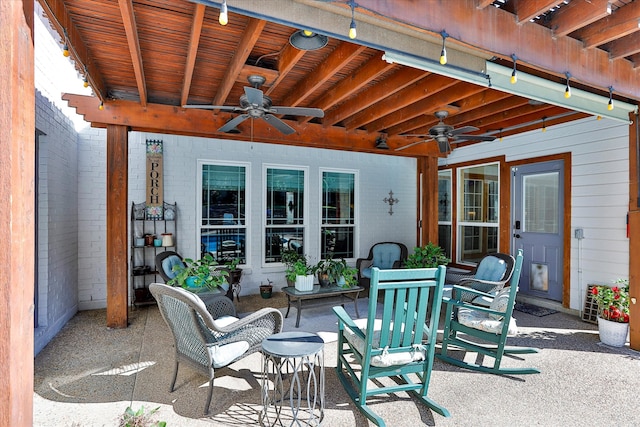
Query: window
478	212
223	225
444	211
338	223
284	222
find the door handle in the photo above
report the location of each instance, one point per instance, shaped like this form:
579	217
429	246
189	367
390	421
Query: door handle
516	235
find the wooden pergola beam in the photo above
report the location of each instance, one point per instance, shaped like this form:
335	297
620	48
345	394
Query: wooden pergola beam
192	51
131	30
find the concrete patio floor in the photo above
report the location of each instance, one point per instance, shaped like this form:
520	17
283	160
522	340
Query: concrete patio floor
89	374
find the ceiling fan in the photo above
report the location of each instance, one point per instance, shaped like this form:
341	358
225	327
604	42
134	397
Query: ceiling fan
443	134
255	104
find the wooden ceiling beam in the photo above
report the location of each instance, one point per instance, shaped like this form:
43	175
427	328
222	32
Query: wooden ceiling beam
59	17
502	117
167	119
131	31
494	31
407	96
338	59
526	10
355	81
288	58
578	14
488	110
426	106
397	81
484	3
620	23
192	51
626	46
249	38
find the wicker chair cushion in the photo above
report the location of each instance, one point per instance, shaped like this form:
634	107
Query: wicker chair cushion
499	303
384	255
483	322
222	355
168	263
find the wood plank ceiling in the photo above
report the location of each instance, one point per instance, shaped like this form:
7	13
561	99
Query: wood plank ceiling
144	59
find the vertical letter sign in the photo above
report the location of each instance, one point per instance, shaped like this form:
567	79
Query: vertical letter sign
154	199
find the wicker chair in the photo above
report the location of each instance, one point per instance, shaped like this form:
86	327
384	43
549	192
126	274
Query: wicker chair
209	336
384	255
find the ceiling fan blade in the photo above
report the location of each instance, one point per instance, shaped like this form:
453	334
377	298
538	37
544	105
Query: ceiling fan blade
255	96
213	107
411	145
278	124
463	129
297	111
474	138
233	123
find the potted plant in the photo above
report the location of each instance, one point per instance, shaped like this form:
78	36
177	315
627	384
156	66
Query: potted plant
323	270
234	272
289	258
428	256
613	312
198	274
343	274
301	274
266	289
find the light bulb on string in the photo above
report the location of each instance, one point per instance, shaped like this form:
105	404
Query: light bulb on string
567	89
443	52
307	33
101	106
65	50
352	27
610	104
223	19
544	125
86	82
514	73
500	138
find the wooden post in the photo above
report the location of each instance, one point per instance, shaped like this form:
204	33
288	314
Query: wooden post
428	211
634	235
17	202
117	226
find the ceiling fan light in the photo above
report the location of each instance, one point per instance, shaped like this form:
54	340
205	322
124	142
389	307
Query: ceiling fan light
381	143
301	41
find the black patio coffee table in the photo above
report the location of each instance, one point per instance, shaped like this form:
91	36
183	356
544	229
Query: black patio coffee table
320	295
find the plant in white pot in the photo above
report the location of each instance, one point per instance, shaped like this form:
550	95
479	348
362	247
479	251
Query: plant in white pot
301	273
613	312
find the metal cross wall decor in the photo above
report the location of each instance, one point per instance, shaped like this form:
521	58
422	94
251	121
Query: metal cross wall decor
391	201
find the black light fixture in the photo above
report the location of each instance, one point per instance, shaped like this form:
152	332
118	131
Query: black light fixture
381	143
308	40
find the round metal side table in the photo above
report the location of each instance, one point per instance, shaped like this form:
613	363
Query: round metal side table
297	360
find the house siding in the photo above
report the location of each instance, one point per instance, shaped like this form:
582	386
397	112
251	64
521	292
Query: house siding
599	192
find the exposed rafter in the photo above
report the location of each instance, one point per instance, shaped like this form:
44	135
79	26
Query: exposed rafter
131	29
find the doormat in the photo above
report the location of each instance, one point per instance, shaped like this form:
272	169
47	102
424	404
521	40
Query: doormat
533	310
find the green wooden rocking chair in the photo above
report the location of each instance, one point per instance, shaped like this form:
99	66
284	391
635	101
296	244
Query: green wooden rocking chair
397	344
484	330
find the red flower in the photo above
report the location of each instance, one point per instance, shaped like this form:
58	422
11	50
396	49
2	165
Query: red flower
615	289
626	318
594	291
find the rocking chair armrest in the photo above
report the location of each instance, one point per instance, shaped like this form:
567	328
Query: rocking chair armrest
486	282
346	320
468	289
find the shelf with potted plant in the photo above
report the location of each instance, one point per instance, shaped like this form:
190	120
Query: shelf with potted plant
613	312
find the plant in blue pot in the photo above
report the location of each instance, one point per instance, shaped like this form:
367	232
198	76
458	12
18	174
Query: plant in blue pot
199	274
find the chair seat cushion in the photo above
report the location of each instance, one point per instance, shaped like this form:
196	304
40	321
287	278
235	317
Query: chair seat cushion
484	322
223	321
366	272
168	263
384	255
222	355
385	359
500	303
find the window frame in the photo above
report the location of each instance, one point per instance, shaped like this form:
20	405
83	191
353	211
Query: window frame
356	210
263	212
247	216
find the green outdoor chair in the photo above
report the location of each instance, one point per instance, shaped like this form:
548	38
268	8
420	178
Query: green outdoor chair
399	343
483	330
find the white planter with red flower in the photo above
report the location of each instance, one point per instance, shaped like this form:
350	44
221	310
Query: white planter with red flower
613	312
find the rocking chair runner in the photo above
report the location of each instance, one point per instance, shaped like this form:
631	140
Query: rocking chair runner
485	329
398	344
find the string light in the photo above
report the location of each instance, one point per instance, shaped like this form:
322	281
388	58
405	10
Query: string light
443	53
514	73
86	81
101	107
352	27
610	104
65	46
567	89
223	19
500	138
544	125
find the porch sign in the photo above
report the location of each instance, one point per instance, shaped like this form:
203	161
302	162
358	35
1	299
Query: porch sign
154	199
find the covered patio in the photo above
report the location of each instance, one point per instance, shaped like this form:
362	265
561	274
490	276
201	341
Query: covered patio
89	374
145	60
